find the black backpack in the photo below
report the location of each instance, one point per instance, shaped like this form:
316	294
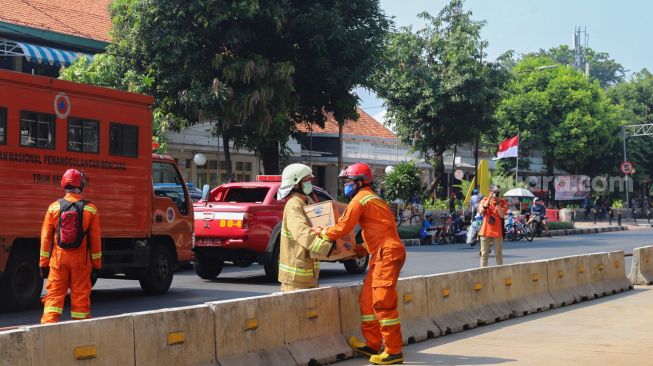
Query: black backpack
70	230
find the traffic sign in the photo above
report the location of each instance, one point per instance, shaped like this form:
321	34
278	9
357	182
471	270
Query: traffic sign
627	167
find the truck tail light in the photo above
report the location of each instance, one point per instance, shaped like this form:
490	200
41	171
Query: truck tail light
248	220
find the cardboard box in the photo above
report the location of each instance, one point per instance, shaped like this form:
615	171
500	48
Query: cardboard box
326	214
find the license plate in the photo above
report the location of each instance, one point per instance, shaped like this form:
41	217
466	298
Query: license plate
208	242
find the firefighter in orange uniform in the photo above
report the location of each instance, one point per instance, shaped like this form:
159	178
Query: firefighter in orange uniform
70	267
378	299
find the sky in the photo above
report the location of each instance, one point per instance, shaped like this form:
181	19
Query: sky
621	28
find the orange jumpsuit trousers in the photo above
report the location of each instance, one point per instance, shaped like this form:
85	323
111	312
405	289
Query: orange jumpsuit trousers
69	268
378	301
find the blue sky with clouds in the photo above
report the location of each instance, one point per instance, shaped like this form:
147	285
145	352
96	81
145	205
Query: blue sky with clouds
622	28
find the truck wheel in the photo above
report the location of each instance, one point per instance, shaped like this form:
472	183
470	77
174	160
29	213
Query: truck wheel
358	265
158	276
271	264
22	282
206	267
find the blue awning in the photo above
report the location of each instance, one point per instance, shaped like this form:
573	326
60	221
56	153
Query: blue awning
50	55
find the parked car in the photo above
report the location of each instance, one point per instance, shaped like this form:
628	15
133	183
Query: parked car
241	222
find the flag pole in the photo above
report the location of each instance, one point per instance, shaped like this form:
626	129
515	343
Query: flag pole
517	162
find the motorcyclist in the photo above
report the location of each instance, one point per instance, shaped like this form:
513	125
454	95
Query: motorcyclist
538	212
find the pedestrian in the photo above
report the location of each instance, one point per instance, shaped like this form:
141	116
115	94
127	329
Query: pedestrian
493	209
587	205
473	202
297	270
452	202
428	230
70	234
378	299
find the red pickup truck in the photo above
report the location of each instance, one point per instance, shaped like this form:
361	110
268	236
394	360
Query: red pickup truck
241	223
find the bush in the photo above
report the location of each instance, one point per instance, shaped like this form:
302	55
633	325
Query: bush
403	182
409	232
561	225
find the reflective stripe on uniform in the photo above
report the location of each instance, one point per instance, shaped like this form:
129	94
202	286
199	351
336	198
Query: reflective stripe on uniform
317	243
368	198
389	322
90	209
96	255
287	234
77	315
368	317
295	270
45	254
52	309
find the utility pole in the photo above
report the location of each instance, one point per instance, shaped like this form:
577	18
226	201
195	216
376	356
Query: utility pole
581	41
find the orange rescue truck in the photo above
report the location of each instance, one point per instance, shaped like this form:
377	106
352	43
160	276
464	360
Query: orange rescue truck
48	126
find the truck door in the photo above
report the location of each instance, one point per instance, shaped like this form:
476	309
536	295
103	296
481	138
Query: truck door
172	211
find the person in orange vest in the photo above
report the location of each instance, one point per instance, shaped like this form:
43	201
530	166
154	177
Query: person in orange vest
378	299
69	236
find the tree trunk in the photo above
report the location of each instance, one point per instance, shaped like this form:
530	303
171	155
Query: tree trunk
340	143
438	173
552	187
270	156
229	167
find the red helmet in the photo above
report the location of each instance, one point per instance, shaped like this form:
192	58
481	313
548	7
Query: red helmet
73	178
358	171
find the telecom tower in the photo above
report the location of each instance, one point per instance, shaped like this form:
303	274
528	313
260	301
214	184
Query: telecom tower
581	40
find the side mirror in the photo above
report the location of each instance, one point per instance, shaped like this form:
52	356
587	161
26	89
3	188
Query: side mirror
205	192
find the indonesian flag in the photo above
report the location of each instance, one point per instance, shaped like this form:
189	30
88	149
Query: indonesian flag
508	148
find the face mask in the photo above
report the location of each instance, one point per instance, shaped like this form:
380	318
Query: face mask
349	189
307	188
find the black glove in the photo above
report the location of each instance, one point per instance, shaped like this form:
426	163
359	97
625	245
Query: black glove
45	271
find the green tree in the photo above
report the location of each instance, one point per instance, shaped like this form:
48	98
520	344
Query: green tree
257	68
636	97
602	68
403	182
560	113
437	91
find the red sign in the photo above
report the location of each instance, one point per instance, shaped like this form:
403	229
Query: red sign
627	167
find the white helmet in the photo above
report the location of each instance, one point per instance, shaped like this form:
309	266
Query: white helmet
291	175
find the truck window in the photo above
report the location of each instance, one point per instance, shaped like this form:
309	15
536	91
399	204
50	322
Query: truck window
245	194
167	183
123	140
37	130
3	126
83	135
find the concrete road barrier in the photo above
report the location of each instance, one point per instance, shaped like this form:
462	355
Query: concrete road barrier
180	336
617	281
311	325
14	348
416	325
251	331
446	303
562	274
479	297
641	272
101	341
523	286
350	314
599	274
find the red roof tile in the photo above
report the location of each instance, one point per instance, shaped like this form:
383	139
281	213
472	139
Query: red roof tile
81	18
366	125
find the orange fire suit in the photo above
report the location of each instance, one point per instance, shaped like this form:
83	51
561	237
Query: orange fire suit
378	300
69	268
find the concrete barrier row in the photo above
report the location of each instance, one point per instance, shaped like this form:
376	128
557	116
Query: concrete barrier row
641	272
310	327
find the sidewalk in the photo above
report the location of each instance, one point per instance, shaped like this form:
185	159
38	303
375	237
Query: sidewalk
613	330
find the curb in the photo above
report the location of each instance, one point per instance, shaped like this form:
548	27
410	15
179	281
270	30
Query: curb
563	232
594	230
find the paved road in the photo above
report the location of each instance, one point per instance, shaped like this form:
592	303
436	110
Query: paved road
116	297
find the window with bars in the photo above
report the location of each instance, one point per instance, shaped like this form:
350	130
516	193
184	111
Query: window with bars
37	130
3	126
83	135
123	140
243	171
